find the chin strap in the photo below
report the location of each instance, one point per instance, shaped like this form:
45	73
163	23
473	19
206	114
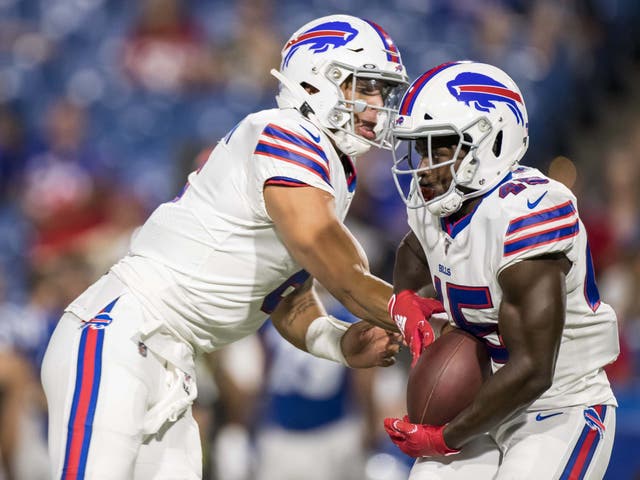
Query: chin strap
349	144
448	204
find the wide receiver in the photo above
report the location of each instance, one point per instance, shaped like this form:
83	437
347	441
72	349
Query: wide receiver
504	248
244	240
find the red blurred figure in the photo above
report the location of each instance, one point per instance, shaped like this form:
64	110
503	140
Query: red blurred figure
166	50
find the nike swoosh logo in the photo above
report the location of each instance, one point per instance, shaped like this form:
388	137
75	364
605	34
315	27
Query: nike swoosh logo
316	138
541	417
535	204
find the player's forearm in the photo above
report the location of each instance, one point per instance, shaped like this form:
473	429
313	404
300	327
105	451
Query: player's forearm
337	261
366	296
302	320
510	389
295	313
318	240
411	271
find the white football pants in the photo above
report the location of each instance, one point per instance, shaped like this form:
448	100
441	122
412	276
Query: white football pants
110	398
571	443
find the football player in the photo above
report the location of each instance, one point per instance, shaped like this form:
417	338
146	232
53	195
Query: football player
243	241
505	250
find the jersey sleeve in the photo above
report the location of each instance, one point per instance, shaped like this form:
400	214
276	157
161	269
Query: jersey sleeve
287	154
542	222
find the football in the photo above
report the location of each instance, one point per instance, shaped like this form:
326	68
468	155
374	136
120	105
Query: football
446	377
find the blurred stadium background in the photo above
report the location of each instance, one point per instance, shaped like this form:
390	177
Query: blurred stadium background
106	105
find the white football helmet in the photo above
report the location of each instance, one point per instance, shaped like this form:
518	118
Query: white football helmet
325	53
482	109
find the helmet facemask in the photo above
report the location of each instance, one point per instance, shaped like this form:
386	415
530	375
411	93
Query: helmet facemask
362	118
421	153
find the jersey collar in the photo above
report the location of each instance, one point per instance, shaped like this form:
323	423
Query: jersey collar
453	228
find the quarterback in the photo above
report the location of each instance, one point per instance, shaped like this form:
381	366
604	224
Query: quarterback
504	248
244	241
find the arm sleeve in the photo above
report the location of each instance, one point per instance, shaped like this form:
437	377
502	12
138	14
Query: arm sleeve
286	155
552	226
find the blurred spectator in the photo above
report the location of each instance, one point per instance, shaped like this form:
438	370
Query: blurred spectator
24	333
13	151
253	50
66	184
496	32
166	51
108	242
17	382
623	176
620	279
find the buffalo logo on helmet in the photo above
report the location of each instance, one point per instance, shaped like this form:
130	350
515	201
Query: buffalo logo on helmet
482	92
321	38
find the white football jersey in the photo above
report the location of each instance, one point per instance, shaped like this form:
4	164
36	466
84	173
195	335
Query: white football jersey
210	264
525	216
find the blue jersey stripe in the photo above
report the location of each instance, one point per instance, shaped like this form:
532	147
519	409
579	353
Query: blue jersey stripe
542	238
286	181
293	157
591	292
548	215
352	182
497	353
295	139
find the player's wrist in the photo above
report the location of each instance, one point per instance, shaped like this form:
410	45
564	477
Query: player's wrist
443	446
324	338
398	309
404	295
399	297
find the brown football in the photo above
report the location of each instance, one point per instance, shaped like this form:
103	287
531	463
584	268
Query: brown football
446	378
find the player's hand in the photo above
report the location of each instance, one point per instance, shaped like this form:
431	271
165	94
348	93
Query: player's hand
417	440
411	313
365	345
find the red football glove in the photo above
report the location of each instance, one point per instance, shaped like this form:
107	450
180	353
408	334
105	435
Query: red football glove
411	313
417	440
